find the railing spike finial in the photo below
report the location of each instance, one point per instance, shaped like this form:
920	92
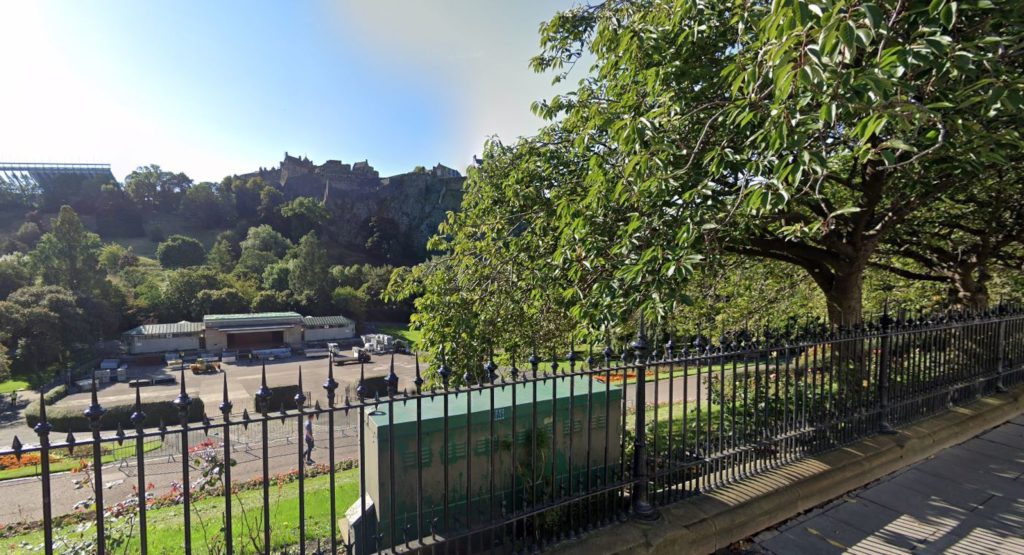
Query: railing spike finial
43	426
182	401
95	411
300	396
444	371
491	368
392	379
639	345
138	417
225	401
513	371
263	394
418	381
331	386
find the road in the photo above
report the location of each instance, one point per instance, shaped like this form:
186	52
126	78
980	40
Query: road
163	467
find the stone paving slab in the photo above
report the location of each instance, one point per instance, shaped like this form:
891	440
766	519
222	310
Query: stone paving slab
965	499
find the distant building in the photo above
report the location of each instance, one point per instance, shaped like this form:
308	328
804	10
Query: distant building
238	332
364	168
441	170
30	179
161	338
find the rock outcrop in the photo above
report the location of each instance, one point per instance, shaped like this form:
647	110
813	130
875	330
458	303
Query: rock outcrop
391	218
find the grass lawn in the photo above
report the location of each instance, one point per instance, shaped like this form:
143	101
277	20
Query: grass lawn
404	333
67	462
165	527
13	385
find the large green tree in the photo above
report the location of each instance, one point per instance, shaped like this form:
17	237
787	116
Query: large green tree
309	276
47	326
68	255
265	239
180	294
151	187
801	131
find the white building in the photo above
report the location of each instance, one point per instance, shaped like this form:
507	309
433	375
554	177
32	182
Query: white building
161	338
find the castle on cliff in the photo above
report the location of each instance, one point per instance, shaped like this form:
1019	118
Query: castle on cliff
298	175
408	206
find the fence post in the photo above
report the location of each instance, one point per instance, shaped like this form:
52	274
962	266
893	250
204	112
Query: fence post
642	509
1001	346
884	369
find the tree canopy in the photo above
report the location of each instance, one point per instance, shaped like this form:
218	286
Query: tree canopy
68	255
806	133
179	251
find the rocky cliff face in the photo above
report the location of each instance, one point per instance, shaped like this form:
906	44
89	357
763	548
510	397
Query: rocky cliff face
389	218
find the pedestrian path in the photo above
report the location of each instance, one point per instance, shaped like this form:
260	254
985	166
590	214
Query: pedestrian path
968	499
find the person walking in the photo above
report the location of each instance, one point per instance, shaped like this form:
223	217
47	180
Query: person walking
309	440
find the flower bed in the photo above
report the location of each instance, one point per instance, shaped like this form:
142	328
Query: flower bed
8	462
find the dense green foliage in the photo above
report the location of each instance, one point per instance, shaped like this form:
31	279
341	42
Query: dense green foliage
811	139
179	251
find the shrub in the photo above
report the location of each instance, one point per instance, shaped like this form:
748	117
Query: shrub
51	397
72	419
282	396
179	251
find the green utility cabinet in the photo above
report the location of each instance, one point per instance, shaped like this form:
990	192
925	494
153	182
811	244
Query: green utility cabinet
540	467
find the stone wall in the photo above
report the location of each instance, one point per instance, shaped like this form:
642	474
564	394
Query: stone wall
407	206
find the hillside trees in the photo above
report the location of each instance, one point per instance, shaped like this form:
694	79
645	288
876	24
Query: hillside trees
14	273
222	256
68	255
180	294
152	188
116	215
499	281
46	325
304	215
202	204
179	251
309	275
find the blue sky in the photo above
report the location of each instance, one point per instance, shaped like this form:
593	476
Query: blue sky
215	88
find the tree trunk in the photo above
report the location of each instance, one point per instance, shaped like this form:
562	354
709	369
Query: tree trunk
845	297
969	292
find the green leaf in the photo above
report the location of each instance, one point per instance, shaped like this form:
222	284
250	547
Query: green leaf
848	34
828	113
873	14
948	15
899	145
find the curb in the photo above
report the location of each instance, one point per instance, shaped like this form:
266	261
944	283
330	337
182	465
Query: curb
715	520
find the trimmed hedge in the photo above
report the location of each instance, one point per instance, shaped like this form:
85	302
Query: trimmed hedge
68	419
51	397
280	396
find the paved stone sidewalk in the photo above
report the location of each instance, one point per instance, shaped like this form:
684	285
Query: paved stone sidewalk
966	499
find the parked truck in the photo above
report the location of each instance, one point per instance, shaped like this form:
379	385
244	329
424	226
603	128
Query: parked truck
340	356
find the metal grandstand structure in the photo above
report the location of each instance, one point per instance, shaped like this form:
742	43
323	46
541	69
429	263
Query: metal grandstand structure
29	179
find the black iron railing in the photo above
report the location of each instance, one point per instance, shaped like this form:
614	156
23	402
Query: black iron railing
522	458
